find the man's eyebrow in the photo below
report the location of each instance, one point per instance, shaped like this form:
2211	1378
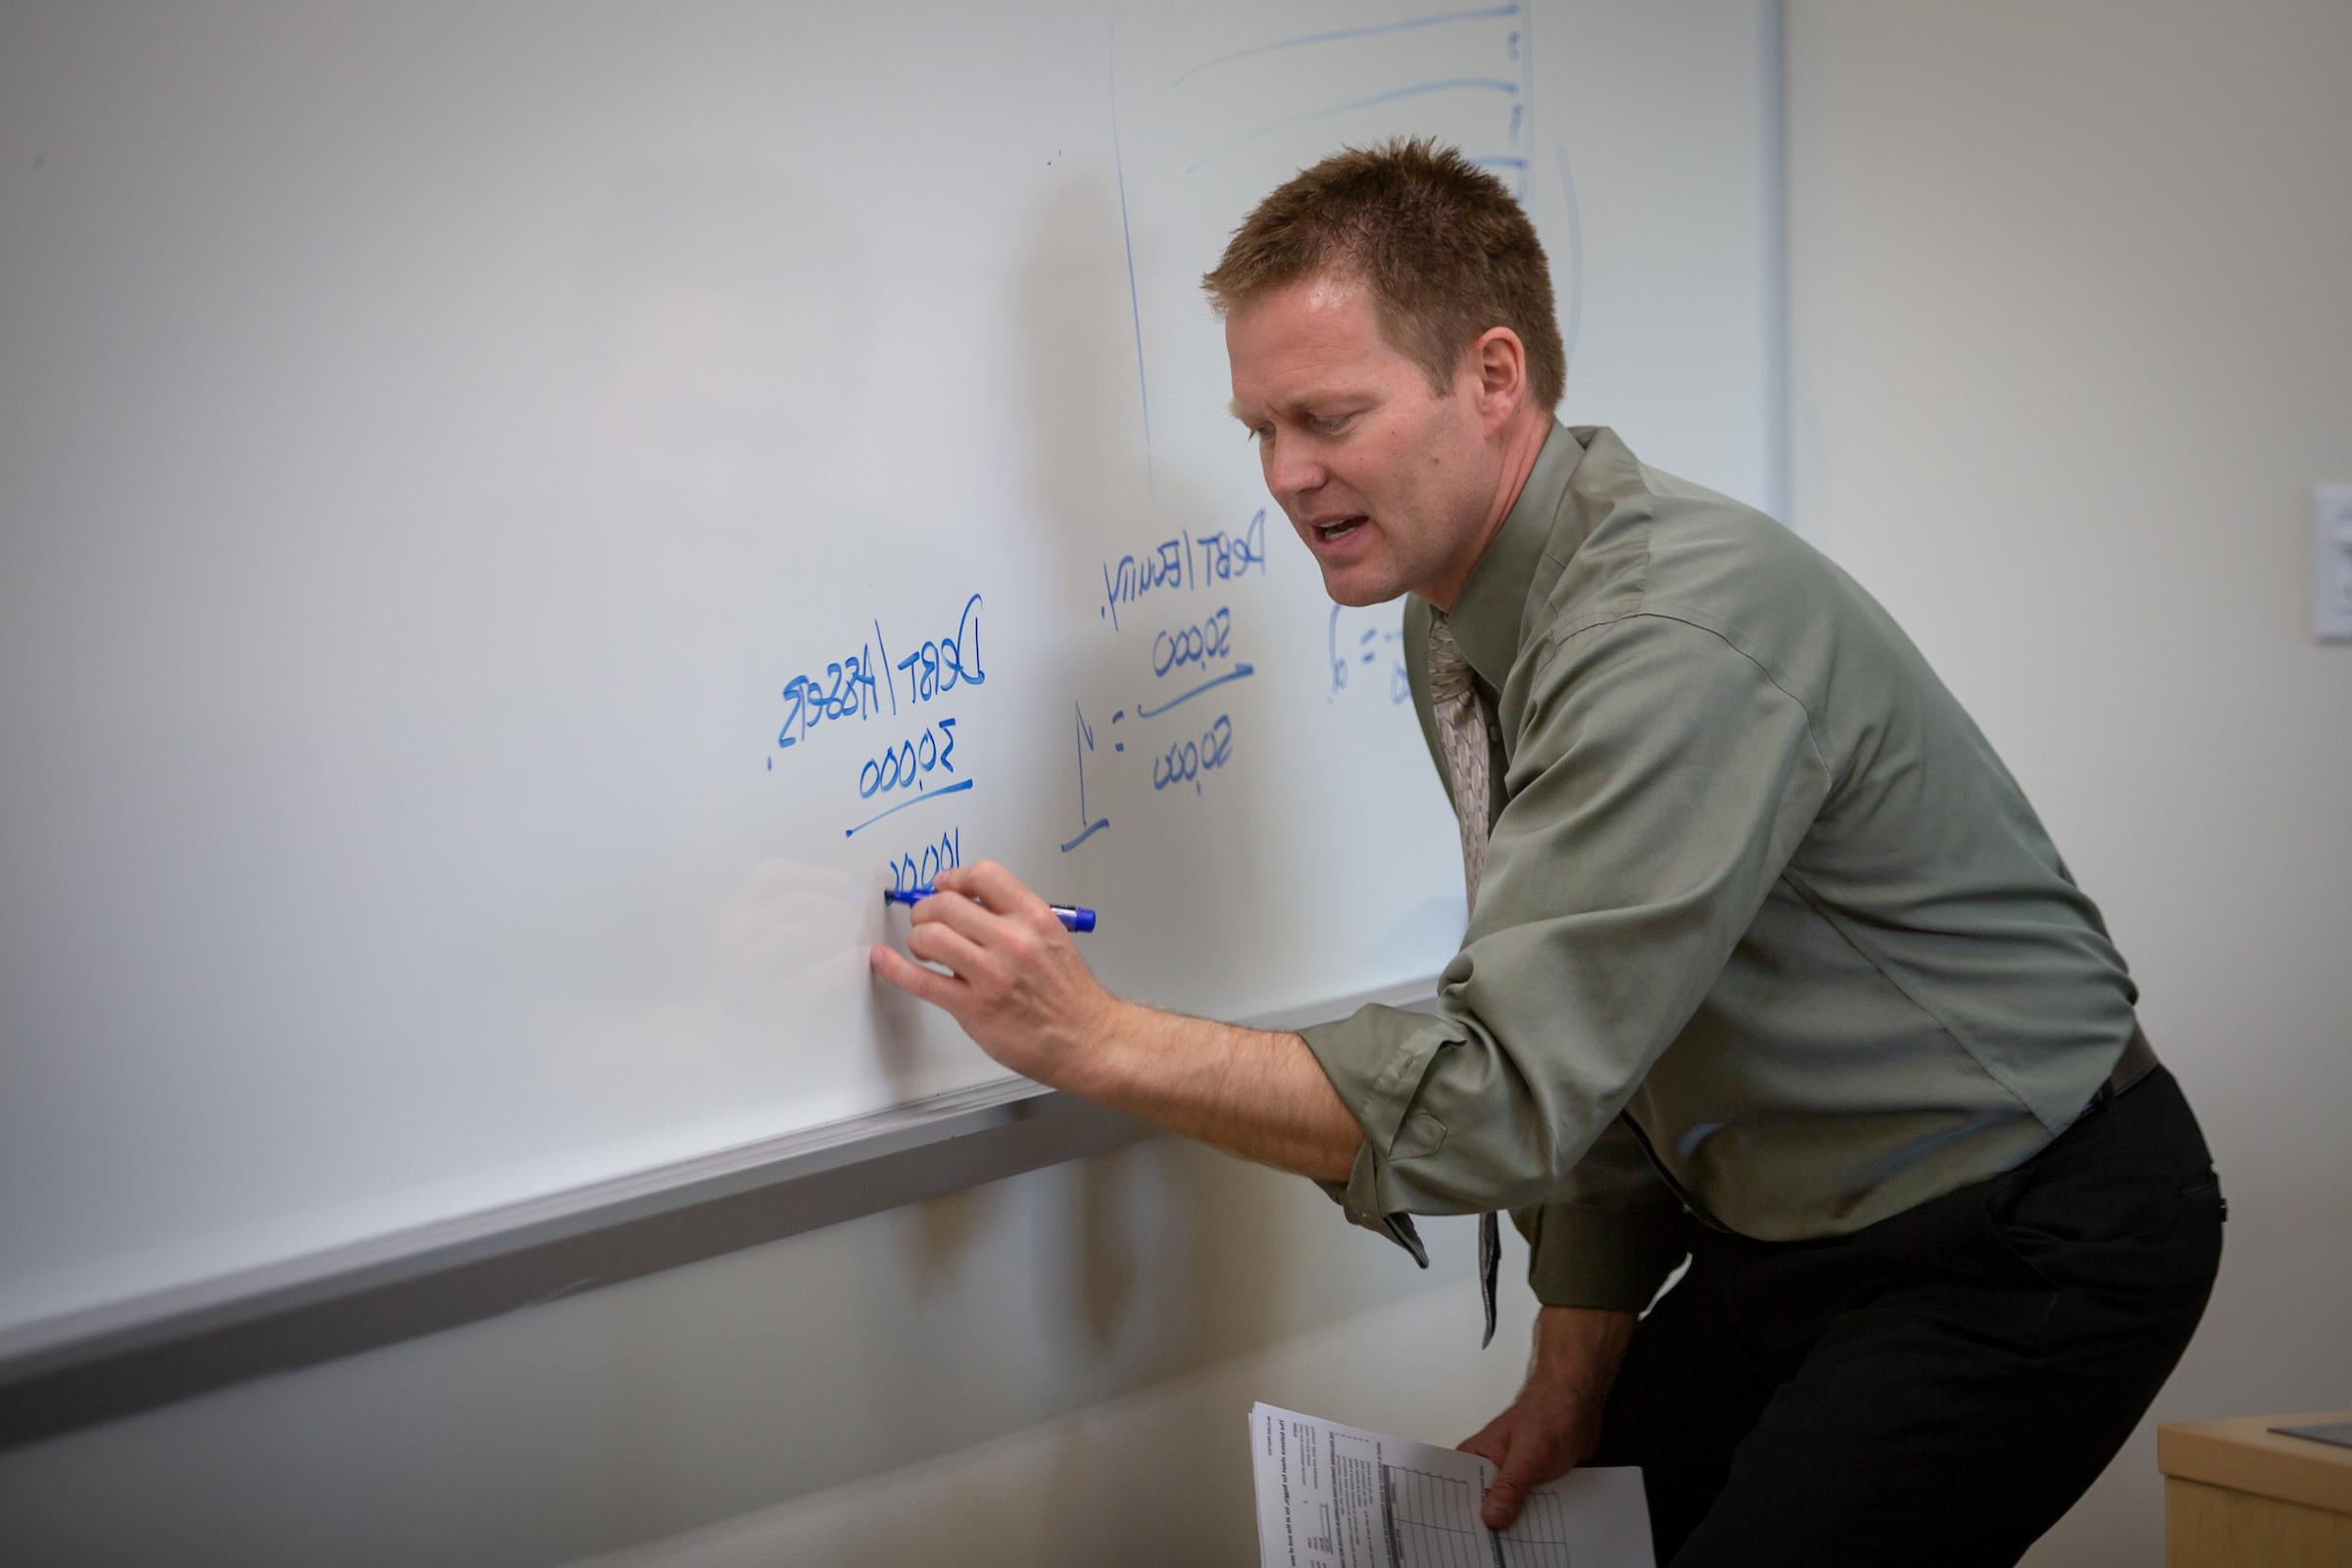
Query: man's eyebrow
1234	407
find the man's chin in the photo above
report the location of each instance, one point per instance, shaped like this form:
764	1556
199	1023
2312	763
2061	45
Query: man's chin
1357	590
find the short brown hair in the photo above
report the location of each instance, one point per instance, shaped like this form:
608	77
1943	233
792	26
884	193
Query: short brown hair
1445	251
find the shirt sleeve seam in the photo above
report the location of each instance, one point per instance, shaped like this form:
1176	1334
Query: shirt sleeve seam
1550	649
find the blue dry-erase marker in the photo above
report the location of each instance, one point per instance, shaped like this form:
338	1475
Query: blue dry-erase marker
1072	917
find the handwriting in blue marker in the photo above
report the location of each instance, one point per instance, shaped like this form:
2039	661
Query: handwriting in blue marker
927	795
1088	826
910	762
846	691
862	685
911	871
1184	562
1190	760
1130	577
1202	643
1223	557
942	664
1366	651
1238	672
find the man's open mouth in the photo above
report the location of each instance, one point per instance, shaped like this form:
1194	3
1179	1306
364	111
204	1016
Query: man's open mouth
1340	530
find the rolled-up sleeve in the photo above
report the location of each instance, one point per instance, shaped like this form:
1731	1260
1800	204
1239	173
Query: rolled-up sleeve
1659	783
1611	1235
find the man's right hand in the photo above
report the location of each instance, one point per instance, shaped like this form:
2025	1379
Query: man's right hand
1554	1425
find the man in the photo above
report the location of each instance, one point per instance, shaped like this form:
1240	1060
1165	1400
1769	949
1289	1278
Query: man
1768	962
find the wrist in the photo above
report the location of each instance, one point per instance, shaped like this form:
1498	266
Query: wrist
1580	1347
1102	1049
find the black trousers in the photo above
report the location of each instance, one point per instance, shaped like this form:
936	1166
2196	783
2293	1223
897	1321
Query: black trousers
1934	1389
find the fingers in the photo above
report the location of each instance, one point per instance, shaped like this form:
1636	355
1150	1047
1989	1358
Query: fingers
996	888
1017	986
989	908
955	909
928	985
939	942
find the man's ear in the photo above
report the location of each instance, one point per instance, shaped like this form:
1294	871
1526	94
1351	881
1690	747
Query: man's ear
1499	361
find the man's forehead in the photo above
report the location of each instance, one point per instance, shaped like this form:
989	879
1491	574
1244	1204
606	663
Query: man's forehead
1323	302
1330	291
1307	339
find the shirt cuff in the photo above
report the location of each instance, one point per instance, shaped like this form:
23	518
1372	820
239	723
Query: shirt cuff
1376	1061
1579	1255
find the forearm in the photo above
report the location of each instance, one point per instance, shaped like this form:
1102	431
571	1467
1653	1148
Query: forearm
1254	1094
1009	974
1580	1347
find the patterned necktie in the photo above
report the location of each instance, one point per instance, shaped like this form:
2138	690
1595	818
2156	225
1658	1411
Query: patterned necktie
1463	734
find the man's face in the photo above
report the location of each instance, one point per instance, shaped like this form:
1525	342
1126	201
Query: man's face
1390	484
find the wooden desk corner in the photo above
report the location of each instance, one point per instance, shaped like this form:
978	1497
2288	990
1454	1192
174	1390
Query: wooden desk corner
2238	1495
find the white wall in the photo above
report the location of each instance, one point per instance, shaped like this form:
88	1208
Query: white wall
2071	329
2068	346
929	1381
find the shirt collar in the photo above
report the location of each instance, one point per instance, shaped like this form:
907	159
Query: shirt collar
1487	616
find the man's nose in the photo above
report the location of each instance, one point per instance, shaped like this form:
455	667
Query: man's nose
1292	471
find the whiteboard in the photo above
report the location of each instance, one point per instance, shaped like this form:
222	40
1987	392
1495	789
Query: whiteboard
520	522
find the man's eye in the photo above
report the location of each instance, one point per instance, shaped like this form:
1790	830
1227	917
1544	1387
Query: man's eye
1333	423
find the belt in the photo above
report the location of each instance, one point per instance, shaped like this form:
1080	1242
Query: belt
2137	1063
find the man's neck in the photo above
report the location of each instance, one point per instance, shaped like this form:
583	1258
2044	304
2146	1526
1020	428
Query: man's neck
1523	444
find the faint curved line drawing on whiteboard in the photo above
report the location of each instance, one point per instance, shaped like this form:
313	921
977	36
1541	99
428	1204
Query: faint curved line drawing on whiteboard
1135	300
1418	89
1576	259
1343	35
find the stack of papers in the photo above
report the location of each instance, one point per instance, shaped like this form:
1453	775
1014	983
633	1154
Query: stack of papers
1334	1496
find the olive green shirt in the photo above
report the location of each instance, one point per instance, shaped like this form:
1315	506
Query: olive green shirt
1766	929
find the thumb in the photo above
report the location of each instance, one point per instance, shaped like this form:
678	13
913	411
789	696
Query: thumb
1512	1477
